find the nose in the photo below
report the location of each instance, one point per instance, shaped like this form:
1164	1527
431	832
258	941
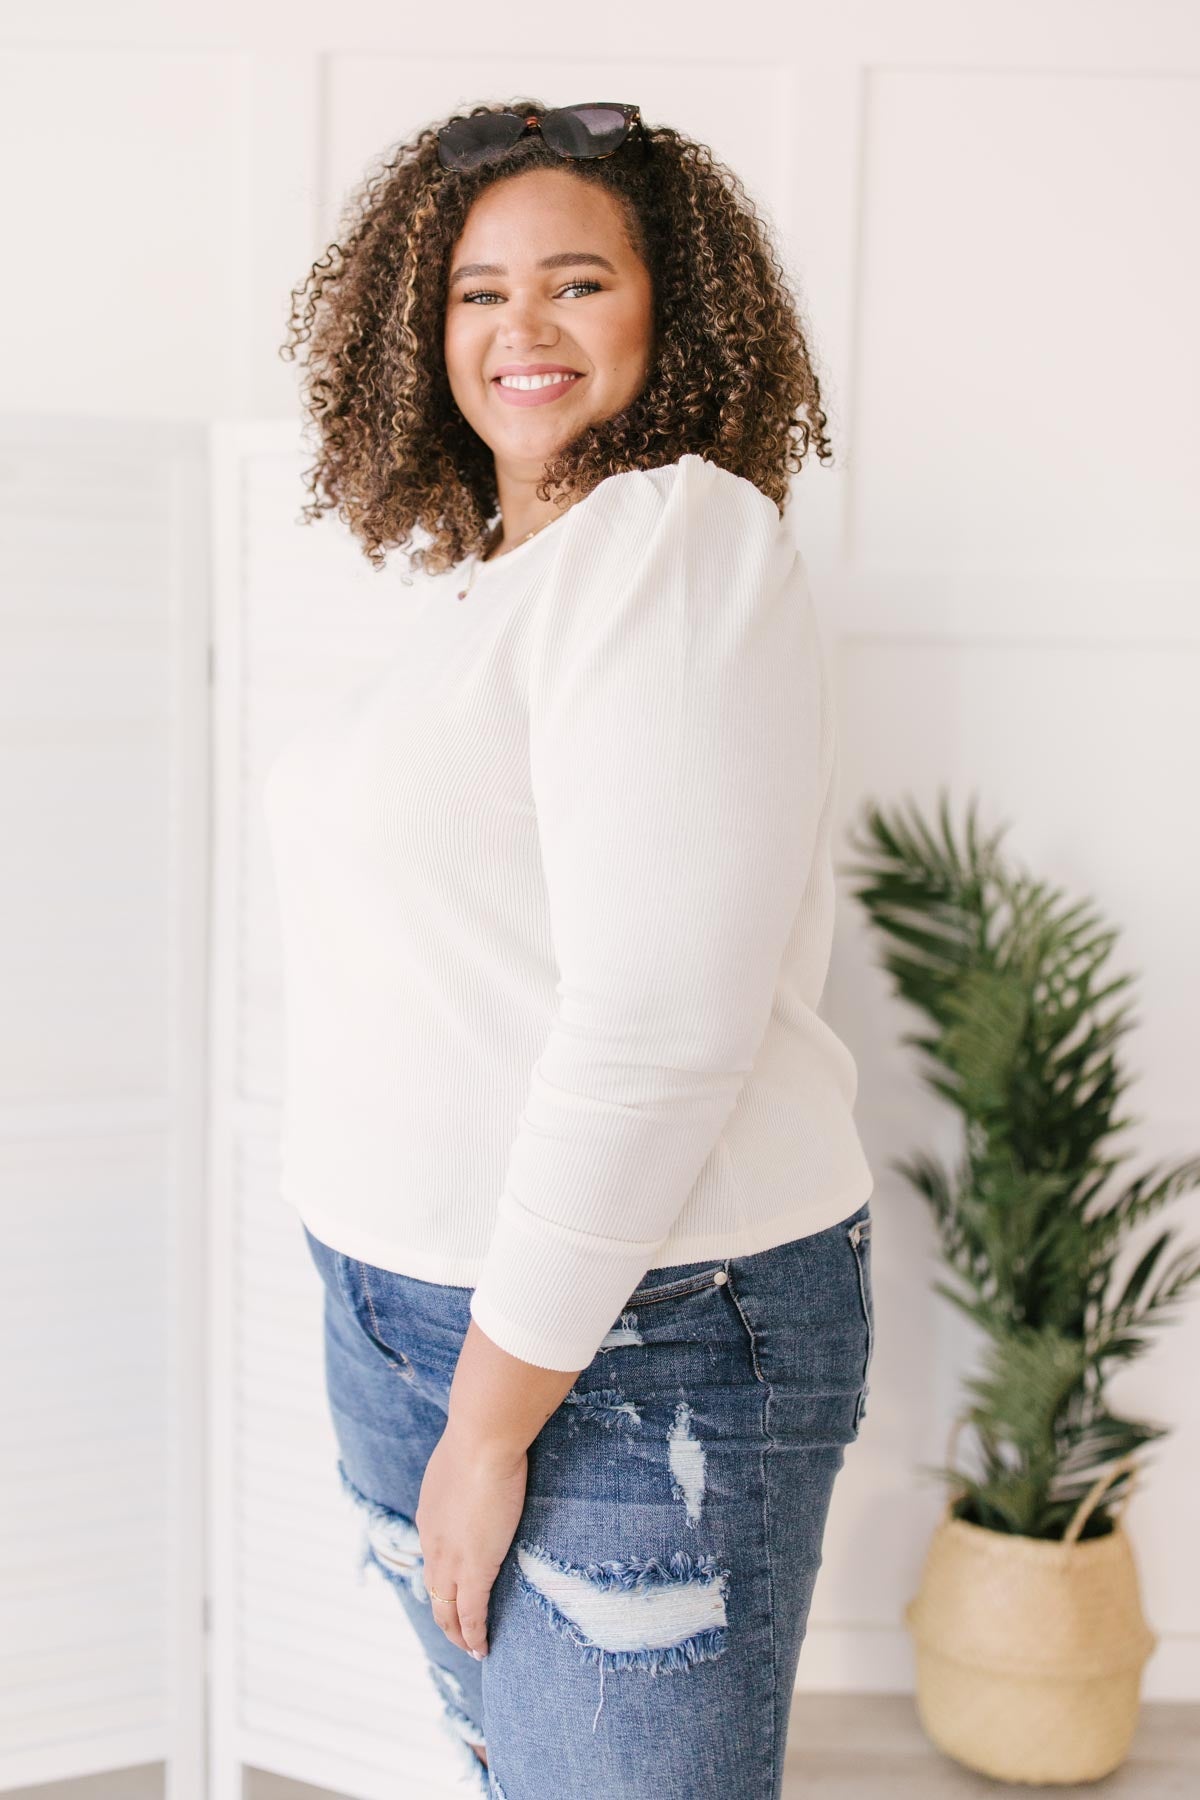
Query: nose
526	324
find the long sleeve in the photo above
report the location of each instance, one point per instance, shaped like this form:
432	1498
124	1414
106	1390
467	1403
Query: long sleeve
675	699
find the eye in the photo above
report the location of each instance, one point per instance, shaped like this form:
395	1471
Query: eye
591	287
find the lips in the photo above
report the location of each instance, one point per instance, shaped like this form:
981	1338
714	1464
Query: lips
548	392
533	369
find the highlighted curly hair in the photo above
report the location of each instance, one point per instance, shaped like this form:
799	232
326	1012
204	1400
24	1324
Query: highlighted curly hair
731	378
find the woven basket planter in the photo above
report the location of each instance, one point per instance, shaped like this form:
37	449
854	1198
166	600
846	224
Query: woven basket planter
1030	1650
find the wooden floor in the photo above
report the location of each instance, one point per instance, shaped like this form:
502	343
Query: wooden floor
840	1747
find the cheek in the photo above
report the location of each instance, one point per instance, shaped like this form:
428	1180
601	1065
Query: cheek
627	343
461	347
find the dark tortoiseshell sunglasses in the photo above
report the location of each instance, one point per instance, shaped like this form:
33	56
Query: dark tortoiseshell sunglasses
592	129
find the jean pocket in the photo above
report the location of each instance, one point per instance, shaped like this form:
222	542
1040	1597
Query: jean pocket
858	1236
688	1279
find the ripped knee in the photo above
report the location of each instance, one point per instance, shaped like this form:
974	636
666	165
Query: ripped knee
639	1613
392	1544
390	1541
457	1722
454	1708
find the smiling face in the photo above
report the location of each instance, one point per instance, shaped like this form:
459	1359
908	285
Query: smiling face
543	277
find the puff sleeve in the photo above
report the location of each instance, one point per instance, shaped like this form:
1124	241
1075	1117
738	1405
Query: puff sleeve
675	693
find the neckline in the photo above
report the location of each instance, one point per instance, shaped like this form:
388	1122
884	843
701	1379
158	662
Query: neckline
483	569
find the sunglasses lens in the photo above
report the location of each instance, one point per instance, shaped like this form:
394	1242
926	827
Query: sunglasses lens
465	143
584	130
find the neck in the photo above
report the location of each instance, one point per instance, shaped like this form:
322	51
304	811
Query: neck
494	544
522	511
497	545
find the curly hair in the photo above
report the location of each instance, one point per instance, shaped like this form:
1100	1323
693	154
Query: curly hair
730	379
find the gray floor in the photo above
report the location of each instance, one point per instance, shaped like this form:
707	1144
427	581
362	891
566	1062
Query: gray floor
842	1747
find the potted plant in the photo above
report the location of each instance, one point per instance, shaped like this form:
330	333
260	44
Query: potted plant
1028	1627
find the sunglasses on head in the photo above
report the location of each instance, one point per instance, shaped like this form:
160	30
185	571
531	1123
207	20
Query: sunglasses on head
592	129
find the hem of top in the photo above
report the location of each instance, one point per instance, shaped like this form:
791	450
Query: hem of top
465	1271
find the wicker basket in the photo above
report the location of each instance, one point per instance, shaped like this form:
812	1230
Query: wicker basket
1030	1650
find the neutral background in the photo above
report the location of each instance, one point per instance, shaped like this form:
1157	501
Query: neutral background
988	211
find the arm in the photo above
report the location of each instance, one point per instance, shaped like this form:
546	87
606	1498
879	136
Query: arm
675	744
498	1401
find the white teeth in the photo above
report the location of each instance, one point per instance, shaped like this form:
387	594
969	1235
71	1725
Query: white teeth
534	381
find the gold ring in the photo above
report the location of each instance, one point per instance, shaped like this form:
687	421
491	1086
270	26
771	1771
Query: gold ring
434	1595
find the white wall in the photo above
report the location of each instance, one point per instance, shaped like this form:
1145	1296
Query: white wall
985	207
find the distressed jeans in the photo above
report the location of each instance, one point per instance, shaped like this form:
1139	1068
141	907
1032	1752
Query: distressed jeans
644	1629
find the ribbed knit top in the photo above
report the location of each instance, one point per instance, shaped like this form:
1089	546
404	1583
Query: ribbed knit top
556	898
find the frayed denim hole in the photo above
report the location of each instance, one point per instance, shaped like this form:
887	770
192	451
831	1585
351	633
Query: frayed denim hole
684	1622
604	1406
603	1609
471	1767
391	1543
450	1692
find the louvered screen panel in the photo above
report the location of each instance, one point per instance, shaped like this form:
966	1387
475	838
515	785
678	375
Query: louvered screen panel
316	1672
103	711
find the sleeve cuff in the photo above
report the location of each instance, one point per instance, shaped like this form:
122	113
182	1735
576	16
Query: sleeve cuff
550	1295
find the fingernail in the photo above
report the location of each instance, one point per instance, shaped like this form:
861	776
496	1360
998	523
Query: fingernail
479	1655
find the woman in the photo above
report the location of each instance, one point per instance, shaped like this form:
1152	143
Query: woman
574	1153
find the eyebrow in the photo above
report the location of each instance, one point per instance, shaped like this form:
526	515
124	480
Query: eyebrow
561	260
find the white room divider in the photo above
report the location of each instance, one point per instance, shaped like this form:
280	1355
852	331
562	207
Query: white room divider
314	1670
103	635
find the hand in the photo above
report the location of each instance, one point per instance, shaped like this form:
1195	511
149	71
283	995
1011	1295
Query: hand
467	1514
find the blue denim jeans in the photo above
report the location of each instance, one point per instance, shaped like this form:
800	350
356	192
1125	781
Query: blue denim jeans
644	1629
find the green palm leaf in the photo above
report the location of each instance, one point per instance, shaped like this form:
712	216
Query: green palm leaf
1020	1034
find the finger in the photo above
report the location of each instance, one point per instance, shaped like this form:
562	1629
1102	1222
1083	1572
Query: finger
472	1616
445	1615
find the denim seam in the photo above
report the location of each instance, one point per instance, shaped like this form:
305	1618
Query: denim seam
399	1361
855	1236
769	1445
670	1290
341	1265
749	1329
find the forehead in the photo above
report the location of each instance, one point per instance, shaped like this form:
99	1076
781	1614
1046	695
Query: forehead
525	218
